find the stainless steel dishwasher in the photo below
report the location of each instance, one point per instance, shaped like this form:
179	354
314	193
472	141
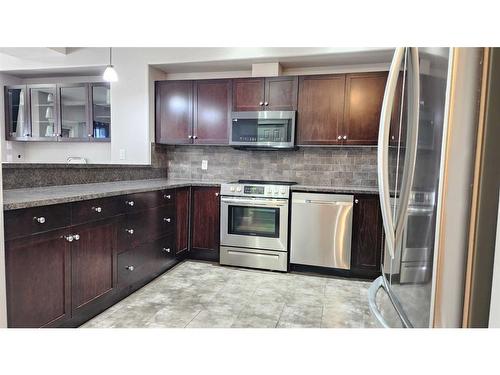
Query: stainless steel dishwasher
321	230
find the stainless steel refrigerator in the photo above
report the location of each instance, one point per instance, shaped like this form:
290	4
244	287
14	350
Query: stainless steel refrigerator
412	149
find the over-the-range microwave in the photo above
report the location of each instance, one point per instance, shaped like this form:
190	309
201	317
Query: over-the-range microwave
263	129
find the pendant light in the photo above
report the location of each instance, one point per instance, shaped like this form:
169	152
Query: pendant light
109	74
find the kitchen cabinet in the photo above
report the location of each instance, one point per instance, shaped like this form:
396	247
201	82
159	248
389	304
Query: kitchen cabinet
260	94
58	112
320	115
367	235
205	217
182	217
38	275
174	112
93	262
212	111
363	103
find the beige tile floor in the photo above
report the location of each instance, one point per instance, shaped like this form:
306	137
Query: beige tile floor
206	295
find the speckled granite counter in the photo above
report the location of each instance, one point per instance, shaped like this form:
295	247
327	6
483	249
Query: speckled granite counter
335	189
42	196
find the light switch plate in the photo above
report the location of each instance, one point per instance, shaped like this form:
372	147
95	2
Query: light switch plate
122	154
204	165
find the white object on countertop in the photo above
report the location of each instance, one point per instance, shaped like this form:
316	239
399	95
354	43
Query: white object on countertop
76	160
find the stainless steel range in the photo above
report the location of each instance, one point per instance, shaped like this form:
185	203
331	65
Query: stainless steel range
254	224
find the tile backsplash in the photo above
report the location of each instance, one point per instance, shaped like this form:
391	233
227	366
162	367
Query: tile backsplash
335	166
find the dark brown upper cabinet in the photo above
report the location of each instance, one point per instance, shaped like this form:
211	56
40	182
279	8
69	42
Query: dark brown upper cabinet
363	104
212	111
265	94
193	112
321	110
174	112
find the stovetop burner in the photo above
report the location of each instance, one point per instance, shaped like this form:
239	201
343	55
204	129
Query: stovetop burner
266	182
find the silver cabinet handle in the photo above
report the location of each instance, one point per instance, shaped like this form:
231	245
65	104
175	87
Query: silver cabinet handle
190	136
261	103
76	237
130	203
167	219
356	201
97	209
90	135
166	249
40	219
129	231
195	137
339	137
345	137
130	268
167	196
216	194
266	103
69	238
383	149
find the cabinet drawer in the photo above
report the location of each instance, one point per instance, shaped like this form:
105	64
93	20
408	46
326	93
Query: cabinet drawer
96	209
150	199
26	221
145	226
145	261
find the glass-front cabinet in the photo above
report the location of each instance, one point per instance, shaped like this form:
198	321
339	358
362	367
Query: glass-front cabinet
16	113
77	112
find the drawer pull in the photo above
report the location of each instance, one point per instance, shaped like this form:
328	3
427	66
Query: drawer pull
130	268
167	219
40	219
97	209
130	203
167	196
166	249
76	237
129	231
69	238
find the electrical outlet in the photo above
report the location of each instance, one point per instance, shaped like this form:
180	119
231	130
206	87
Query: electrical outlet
204	165
122	154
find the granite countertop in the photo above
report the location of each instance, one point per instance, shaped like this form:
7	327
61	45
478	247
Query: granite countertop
42	196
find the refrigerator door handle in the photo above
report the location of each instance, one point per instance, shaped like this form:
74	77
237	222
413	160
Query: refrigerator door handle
411	141
383	149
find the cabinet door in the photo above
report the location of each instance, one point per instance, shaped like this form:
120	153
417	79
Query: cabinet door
16	113
367	235
248	94
93	263
321	109
174	112
212	111
364	96
281	94
74	112
38	280
182	216
100	118
205	220
44	112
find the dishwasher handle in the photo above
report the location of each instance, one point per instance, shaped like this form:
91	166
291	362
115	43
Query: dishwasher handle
333	203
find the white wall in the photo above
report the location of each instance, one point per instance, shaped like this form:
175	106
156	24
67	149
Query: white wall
132	115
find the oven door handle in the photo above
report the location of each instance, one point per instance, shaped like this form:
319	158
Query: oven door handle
256	202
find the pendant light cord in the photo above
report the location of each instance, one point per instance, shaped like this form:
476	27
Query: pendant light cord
110	61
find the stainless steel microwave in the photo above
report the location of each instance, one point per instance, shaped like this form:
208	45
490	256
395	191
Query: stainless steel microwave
263	129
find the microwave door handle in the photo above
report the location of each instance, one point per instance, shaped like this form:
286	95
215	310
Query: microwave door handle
411	141
383	149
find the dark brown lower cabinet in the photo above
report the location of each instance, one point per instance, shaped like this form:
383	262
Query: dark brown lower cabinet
205	214
38	272
182	217
93	263
367	237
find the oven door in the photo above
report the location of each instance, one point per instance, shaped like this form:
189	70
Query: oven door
254	223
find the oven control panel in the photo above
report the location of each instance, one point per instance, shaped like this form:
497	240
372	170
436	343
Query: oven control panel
244	190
